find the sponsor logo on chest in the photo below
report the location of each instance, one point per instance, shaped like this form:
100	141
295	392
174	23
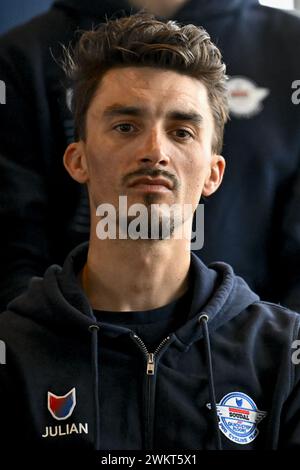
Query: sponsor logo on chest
238	417
61	408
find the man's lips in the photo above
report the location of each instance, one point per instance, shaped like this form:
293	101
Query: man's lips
148	181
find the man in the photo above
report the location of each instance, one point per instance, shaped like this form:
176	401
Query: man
256	232
129	346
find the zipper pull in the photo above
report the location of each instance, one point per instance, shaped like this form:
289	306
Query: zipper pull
150	364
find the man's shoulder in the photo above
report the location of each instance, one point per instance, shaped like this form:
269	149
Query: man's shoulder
275	309
11	322
273	319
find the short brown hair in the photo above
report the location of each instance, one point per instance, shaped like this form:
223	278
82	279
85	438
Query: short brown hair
142	40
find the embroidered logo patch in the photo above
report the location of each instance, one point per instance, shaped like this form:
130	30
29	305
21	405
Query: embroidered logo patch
245	97
238	417
61	407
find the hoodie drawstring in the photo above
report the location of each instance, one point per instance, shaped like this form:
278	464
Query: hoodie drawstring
203	319
94	330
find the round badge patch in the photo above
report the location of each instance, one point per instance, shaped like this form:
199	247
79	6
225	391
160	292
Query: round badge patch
245	97
238	417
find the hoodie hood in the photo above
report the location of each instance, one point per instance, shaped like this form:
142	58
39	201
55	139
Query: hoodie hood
58	301
204	9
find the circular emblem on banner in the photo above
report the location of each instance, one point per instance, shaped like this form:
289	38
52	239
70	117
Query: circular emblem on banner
238	417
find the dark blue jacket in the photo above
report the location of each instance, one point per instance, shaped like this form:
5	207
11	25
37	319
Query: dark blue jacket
252	222
225	379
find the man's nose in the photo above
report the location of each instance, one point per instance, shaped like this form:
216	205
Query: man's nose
155	149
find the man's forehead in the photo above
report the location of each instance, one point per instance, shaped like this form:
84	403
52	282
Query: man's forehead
144	75
150	87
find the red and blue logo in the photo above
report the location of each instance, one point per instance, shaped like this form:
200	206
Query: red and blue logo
61	407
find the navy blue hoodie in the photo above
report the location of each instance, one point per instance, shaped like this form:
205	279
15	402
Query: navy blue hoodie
225	379
252	222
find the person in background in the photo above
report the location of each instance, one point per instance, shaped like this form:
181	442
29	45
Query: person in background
252	222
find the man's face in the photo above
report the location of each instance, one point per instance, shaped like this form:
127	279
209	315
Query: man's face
147	122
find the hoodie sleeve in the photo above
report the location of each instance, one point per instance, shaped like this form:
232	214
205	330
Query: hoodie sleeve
289	437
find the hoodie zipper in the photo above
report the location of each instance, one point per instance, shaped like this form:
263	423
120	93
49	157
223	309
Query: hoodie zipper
150	386
150	357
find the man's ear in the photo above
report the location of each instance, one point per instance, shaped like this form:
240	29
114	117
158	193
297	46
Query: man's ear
75	162
215	176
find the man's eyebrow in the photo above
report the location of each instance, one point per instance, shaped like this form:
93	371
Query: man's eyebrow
119	110
175	115
189	116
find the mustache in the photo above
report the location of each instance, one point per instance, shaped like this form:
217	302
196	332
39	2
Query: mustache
154	173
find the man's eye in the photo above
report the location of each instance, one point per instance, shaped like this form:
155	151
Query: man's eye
183	134
124	128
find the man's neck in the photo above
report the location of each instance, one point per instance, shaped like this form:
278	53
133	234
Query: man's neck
135	275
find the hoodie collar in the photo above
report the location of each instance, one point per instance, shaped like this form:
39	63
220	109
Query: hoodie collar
191	11
60	302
